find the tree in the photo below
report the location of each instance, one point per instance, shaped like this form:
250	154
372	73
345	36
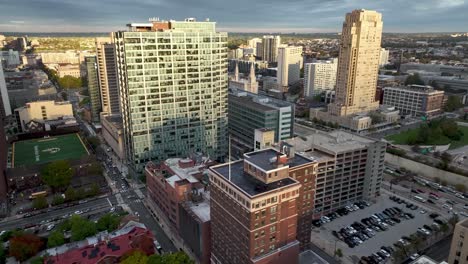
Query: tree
108	222
93	191
339	253
55	239
70	82
81	228
414	79
95	169
94	142
40	203
58	199
446	157
453	220
460	187
376	117
70	194
2	254
136	257
453	103
174	258
25	246
57	174
37	260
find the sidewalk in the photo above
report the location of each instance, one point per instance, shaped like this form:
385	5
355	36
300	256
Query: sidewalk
166	227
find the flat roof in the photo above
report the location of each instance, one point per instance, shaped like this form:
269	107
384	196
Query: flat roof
263	159
310	257
43	150
464	223
336	141
246	182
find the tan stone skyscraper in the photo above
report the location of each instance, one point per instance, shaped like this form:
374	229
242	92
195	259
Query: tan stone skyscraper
358	63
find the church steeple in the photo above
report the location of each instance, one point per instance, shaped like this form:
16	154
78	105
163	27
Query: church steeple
252	77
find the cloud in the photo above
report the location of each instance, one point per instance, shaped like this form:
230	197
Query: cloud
240	15
17	22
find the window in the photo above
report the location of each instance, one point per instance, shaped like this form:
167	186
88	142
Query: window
273	209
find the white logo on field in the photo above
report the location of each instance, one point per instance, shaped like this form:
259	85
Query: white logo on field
51	150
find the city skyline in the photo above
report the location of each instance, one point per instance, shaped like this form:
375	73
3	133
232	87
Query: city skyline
299	16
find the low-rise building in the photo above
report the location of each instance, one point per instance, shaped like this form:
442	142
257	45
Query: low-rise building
178	189
70	70
349	167
414	100
42	110
104	247
112	132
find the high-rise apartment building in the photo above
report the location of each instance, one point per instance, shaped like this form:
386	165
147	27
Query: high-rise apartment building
358	63
414	100
384	55
93	87
173	86
254	209
319	77
289	66
270	46
5	108
253	43
107	71
459	247
248	112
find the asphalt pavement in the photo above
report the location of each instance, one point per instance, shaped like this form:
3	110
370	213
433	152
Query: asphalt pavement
101	204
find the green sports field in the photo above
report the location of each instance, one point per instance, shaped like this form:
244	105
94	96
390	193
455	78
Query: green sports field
43	150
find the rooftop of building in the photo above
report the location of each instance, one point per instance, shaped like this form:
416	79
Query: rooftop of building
200	208
115	120
256	101
336	141
415	88
104	244
41	102
310	257
191	169
246	182
464	223
267	159
426	260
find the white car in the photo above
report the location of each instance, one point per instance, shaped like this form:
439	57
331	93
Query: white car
446	206
422	212
78	212
50	227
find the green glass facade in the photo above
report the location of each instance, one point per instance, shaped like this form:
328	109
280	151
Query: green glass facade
173	86
93	87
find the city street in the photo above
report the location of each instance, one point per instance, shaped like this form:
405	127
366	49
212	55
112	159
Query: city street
132	199
101	204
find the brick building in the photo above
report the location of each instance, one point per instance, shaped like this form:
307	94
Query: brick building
178	188
257	209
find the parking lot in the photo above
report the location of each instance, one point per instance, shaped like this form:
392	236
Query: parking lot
323	237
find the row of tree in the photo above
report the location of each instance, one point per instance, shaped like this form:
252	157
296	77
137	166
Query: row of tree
138	257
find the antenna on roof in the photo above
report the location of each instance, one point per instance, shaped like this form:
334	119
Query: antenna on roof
229	158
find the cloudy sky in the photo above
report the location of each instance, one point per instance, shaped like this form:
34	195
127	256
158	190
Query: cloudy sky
231	15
